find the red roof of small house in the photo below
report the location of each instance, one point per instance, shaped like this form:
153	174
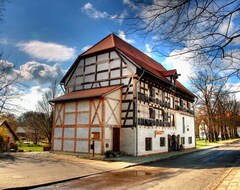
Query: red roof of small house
138	57
95	92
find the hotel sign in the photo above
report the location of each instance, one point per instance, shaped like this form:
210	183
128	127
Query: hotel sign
158	132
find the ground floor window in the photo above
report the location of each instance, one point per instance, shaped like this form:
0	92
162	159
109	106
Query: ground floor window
162	141
182	140
189	140
148	143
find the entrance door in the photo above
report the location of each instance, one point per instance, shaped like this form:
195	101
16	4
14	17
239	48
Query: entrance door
116	139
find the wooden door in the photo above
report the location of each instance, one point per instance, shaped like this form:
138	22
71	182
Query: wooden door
116	139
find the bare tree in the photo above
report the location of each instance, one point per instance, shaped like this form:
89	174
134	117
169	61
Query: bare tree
46	108
10	86
210	91
207	29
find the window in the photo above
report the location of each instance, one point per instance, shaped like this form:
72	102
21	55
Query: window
183	124
172	120
148	144
152	92
189	140
151	113
182	140
188	105
172	102
181	103
162	141
163	96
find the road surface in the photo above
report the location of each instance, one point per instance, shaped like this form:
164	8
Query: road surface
195	171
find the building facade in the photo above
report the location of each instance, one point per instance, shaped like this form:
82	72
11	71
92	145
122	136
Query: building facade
122	100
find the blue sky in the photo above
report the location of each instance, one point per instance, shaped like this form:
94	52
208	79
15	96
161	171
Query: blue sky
42	38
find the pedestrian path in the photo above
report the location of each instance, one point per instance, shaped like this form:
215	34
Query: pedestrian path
231	181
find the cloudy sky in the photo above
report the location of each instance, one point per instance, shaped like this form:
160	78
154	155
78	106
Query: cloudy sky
42	39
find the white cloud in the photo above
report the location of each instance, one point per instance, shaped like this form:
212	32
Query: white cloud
122	35
235	88
85	48
90	10
149	49
182	64
40	72
27	101
130	4
47	51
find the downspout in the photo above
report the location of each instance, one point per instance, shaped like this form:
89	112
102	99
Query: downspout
136	110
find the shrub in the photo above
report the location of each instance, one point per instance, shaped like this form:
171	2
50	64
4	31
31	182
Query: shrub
3	144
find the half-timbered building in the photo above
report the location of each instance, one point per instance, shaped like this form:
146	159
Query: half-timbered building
123	100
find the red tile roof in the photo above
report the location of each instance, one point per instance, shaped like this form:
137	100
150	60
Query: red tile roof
139	58
96	92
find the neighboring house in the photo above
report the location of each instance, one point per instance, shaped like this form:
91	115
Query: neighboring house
7	132
238	131
103	89
203	130
21	133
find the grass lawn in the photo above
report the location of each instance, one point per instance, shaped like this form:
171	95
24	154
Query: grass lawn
30	147
203	143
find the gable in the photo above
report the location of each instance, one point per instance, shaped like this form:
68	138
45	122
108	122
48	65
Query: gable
99	70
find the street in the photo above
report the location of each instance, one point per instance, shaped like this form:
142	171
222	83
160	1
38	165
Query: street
199	170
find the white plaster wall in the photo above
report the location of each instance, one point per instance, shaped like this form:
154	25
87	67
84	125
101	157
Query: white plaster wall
69	133
57	144
97	147
82	146
58	132
83	118
90	60
102	57
83	105
128	141
68	145
113	55
131	66
82	133
101	76
69	119
189	128
149	132
90	69
108	138
70	107
102	66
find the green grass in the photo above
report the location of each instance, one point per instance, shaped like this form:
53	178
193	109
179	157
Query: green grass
203	143
30	147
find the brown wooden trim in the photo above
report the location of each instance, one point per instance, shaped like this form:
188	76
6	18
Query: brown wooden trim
96	111
75	127
103	126
104	80
89	126
112	111
63	126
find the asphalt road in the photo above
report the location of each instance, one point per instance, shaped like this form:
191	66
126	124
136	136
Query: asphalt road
196	171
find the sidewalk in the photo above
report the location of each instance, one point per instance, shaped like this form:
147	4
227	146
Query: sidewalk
231	181
19	170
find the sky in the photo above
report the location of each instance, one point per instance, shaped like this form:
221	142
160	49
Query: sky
42	38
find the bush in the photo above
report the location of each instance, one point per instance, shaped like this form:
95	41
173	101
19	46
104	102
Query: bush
3	144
